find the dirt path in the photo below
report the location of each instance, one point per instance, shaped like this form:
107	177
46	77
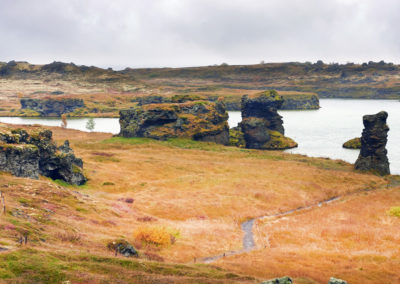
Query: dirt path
248	243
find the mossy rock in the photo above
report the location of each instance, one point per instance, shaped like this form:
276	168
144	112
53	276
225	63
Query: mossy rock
199	120
354	143
279	142
236	137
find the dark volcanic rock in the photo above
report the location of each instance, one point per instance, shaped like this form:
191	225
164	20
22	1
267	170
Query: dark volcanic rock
52	107
264	106
283	280
373	154
198	120
300	102
26	154
20	160
336	281
123	247
262	126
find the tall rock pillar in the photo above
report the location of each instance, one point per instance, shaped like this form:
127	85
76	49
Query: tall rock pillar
373	154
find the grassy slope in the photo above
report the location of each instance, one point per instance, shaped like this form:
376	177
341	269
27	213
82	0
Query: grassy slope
199	191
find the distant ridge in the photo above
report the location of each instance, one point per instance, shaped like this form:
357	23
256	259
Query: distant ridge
372	80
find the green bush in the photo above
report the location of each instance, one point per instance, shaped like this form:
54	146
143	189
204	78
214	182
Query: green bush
394	211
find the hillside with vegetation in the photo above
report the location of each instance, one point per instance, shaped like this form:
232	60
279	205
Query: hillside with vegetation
105	91
179	202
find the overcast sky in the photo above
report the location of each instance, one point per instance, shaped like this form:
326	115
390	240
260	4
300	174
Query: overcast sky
159	33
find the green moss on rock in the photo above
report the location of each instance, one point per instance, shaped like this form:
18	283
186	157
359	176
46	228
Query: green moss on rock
236	137
198	120
278	141
354	143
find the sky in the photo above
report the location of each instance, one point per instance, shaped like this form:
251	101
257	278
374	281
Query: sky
178	33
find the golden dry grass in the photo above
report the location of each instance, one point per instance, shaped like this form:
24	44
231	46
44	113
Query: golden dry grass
202	192
354	239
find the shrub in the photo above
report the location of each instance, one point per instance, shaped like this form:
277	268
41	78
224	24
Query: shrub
394	211
153	235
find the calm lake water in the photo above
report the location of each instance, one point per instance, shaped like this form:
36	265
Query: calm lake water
319	133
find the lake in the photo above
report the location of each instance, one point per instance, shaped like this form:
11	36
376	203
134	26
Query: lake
319	133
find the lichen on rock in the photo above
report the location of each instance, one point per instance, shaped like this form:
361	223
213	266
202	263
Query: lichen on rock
198	120
28	154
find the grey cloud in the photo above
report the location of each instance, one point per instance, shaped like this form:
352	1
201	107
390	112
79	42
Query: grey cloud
137	33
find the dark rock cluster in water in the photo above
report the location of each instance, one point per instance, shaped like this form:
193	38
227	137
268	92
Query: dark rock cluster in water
32	154
198	120
373	154
52	107
261	124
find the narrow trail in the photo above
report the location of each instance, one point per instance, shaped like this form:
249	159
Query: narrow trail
248	243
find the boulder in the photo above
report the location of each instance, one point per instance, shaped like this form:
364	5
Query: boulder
52	107
354	143
283	280
373	153
198	120
334	280
26	154
123	247
261	124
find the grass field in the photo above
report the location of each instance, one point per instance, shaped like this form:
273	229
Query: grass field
200	193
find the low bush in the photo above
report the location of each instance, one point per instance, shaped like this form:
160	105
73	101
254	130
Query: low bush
394	211
153	235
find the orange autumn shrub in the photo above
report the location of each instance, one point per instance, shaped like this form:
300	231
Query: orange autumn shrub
153	235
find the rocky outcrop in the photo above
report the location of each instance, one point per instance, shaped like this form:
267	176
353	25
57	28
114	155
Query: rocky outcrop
26	154
299	102
354	143
295	101
334	280
373	154
52	107
283	280
198	120
261	124
20	160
